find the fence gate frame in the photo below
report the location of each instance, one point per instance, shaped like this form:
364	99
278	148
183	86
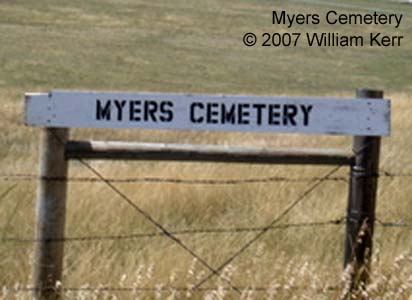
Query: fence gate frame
56	149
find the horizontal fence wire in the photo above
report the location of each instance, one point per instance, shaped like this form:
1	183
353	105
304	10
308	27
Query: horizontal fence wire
132	236
31	177
212	271
164	288
171	234
179	232
231	181
399	224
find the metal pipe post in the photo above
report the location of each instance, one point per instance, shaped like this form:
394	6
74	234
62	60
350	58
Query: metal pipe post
361	204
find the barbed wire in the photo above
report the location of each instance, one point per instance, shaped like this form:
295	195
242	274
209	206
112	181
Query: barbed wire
198	231
399	224
31	177
162	231
231	181
165	288
178	232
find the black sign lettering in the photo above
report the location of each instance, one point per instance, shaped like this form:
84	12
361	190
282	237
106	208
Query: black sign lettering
228	115
243	113
135	110
306	109
203	112
274	114
119	105
150	110
289	114
194	118
259	109
212	113
166	111
103	112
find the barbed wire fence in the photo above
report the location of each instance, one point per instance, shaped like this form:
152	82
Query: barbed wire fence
13	177
314	182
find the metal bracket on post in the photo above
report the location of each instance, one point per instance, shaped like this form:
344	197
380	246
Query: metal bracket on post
50	214
361	204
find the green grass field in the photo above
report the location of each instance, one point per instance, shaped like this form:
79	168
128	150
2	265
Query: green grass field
196	47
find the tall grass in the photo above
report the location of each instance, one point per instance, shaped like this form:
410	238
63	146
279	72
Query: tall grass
195	47
275	261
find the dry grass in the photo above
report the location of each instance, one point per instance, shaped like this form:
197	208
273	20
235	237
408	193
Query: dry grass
288	281
284	260
147	45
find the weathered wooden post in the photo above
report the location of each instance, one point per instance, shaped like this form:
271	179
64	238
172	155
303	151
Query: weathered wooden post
361	205
50	213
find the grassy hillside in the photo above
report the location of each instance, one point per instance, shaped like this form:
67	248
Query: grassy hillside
196	46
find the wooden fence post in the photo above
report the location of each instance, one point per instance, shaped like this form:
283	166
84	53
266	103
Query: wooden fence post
361	204
50	214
